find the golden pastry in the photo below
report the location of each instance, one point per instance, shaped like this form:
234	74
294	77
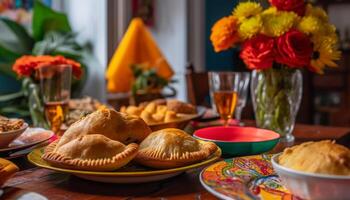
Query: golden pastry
158	117
7	169
161	111
90	152
169	148
181	107
132	110
110	123
171	116
148	117
151	108
156	101
324	157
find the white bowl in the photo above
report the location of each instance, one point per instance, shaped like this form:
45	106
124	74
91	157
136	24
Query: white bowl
7	137
312	186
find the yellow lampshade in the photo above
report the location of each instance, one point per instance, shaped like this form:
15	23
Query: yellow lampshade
136	47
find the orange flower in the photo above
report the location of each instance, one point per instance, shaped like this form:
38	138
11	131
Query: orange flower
26	65
224	33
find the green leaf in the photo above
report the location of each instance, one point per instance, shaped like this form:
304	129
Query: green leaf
10	97
45	19
7	55
25	41
20	112
6	69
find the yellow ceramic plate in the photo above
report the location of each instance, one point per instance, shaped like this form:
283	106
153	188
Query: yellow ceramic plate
129	174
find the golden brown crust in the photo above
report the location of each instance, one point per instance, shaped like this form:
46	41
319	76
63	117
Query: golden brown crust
324	157
156	101
90	152
110	123
170	148
181	107
155	113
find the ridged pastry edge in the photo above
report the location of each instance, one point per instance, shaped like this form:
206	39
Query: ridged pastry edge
158	160
103	164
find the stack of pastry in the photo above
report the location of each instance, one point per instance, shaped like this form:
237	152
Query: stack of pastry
107	140
161	111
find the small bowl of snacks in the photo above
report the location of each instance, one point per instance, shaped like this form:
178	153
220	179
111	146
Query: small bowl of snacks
161	113
239	141
315	170
10	129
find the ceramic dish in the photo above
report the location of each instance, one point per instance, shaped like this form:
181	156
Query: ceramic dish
239	141
28	138
128	174
7	137
248	178
311	185
180	124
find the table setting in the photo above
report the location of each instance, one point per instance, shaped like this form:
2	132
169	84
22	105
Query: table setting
167	148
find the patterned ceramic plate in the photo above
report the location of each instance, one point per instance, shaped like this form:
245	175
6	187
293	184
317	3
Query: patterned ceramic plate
128	174
250	177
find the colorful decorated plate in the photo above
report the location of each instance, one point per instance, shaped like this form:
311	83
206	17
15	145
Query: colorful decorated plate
30	137
239	141
248	178
129	174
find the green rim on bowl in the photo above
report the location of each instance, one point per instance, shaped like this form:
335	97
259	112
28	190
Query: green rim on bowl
239	141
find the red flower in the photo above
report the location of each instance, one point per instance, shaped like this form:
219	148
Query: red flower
26	65
294	49
297	6
258	52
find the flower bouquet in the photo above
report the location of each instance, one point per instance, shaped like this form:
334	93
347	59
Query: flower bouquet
26	67
276	43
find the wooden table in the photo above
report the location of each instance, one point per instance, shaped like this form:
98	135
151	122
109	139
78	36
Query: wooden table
60	186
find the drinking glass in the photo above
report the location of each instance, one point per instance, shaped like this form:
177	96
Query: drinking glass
244	78
55	83
224	88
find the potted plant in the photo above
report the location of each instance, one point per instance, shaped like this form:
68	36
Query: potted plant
50	34
148	85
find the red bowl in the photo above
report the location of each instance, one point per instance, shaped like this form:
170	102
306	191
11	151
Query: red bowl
239	141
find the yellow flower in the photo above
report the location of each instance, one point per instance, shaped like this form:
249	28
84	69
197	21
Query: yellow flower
224	33
310	25
325	53
329	30
246	10
276	23
316	12
250	27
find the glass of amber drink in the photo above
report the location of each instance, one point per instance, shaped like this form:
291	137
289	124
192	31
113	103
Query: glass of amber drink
224	89
55	83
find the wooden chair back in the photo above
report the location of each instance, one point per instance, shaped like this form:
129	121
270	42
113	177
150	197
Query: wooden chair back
197	87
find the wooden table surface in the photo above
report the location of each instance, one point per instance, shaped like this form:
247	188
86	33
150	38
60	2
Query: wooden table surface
58	186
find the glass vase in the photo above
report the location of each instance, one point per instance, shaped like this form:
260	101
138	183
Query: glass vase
35	104
276	95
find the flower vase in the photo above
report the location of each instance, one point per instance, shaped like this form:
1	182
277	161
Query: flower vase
276	95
